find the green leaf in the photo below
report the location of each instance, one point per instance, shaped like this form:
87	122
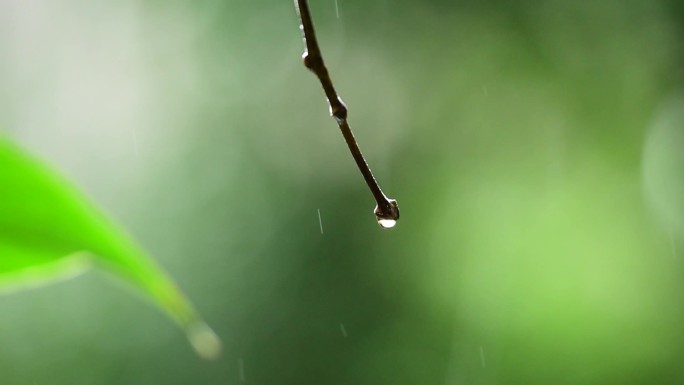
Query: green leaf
50	231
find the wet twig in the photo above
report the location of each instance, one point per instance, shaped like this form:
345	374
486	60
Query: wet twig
387	210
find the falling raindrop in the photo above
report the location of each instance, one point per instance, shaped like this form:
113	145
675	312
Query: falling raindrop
482	357
320	221
241	368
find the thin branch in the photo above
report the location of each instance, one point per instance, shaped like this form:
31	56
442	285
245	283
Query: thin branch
387	210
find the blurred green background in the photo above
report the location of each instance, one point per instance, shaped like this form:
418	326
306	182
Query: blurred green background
536	149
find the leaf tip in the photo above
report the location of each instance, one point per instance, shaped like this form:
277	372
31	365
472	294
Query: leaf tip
203	339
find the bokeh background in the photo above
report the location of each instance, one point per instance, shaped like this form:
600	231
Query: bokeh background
536	149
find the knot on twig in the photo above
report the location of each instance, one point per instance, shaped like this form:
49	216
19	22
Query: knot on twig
312	62
338	110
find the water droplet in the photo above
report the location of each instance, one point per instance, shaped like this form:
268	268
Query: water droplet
387	213
387	223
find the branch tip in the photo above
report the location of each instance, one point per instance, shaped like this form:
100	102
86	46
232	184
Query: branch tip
387	210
